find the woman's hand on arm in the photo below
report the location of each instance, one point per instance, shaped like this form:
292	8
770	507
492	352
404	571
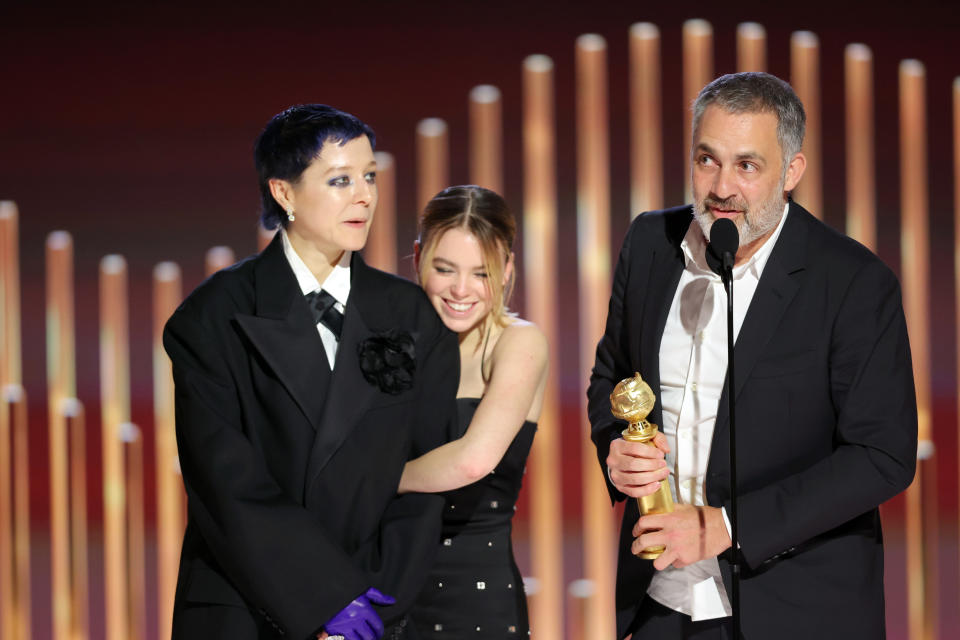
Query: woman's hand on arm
518	373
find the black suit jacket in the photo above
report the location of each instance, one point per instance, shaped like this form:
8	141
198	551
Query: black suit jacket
826	422
291	471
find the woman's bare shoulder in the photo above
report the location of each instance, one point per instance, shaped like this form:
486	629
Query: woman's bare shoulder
522	337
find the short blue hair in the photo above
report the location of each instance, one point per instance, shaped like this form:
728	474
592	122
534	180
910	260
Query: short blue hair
291	141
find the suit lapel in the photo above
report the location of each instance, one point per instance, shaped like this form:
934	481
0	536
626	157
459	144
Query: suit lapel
284	333
349	394
665	270
778	285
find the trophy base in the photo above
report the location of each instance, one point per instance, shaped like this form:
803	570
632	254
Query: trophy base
651	553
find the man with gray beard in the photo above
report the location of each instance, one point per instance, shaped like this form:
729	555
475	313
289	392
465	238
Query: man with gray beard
826	409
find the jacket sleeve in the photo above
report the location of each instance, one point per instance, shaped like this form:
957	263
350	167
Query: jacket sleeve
874	445
248	522
610	367
410	529
436	414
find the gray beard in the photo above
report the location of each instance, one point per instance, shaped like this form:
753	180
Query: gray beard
753	224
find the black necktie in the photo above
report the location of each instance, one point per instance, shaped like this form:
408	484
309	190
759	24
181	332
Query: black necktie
321	304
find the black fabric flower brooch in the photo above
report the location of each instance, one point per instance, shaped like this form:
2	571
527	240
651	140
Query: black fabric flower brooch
387	360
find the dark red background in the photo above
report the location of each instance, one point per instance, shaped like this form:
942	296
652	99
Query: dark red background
132	127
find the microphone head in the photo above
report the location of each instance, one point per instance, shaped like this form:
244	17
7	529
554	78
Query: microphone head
724	241
724	237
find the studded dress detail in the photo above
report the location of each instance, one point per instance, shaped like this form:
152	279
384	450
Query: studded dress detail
475	589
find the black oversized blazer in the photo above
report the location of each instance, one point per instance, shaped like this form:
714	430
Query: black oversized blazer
826	422
291	471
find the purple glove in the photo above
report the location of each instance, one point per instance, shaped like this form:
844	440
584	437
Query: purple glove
358	620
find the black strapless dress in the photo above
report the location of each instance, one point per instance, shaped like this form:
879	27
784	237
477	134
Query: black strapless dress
475	589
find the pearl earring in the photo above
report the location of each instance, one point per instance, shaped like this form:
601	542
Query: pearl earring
290	215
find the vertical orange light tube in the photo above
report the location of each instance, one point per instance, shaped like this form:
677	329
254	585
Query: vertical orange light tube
115	411
14	452
956	220
14	404
8	601
217	258
9	319
136	535
79	579
381	249
697	72
805	78
486	138
579	594
10	364
540	270
61	390
751	47
593	248
432	160
861	174
915	255
646	120
167	294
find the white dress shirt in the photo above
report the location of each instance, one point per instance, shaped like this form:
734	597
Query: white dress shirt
693	366
337	285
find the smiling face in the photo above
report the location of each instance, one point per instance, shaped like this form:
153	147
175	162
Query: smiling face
333	200
456	280
738	173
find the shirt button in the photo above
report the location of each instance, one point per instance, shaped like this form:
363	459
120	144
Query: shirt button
693	386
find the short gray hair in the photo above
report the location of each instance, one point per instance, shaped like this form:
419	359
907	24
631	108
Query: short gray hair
757	92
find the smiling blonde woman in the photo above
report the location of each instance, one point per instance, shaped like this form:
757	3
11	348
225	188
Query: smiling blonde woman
465	264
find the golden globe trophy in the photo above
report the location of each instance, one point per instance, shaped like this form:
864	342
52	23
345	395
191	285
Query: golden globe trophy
632	400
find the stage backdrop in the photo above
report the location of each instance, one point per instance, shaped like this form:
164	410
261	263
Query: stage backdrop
132	128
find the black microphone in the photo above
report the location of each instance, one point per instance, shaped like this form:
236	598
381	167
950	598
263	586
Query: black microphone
722	250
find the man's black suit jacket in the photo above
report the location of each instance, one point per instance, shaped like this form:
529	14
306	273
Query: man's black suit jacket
826	422
291	471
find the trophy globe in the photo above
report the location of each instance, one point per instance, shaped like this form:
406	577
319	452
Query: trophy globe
632	400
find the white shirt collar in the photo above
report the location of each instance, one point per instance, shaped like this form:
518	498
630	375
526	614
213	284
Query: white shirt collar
694	246
337	283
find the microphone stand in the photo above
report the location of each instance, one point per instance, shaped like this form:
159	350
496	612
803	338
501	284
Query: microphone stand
727	277
720	255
